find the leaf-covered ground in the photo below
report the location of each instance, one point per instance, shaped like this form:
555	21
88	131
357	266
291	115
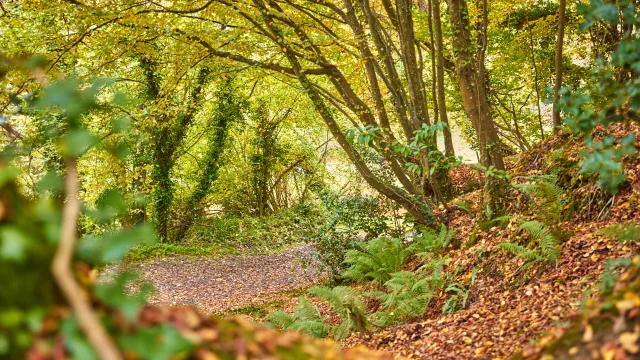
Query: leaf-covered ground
217	284
505	313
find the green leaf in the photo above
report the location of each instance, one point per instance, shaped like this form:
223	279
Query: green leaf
8	174
14	243
114	293
77	142
51	181
78	345
112	247
155	343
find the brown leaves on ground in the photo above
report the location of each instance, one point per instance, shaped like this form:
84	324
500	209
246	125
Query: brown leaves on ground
505	313
216	284
608	329
212	339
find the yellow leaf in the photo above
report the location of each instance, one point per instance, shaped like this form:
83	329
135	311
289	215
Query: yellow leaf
588	334
629	342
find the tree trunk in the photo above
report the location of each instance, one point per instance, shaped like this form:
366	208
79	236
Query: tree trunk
535	75
228	112
472	80
439	50
557	120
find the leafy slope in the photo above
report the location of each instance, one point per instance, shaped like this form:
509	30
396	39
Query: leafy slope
505	314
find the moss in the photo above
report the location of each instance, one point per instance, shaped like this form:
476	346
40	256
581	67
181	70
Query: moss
144	252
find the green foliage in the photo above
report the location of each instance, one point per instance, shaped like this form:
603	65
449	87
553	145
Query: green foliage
157	342
375	260
609	277
306	319
458	300
520	251
547	245
611	97
549	197
233	233
347	218
228	111
160	250
34	226
346	303
431	242
353	214
622	232
407	296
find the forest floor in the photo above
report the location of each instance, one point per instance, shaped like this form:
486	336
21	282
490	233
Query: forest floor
219	284
507	308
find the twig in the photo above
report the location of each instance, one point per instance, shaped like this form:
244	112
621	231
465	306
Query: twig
612	201
64	277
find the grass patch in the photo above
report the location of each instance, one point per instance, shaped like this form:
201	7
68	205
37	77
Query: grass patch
157	250
250	310
259	311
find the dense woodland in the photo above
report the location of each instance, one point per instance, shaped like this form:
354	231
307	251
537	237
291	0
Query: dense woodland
319	179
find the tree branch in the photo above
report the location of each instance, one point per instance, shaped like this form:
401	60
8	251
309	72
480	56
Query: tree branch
64	277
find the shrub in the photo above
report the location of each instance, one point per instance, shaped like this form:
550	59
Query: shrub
306	319
348	306
376	260
407	296
431	242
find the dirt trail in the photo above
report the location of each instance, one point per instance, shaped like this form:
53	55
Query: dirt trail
215	284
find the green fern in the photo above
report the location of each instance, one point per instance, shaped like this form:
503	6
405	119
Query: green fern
434	268
431	242
305	319
346	303
458	300
547	194
407	296
520	251
376	260
546	241
280	320
548	249
464	205
502	220
622	232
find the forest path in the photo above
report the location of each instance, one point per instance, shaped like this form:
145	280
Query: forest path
217	284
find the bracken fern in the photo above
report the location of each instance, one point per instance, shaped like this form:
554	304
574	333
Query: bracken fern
306	319
376	260
347	305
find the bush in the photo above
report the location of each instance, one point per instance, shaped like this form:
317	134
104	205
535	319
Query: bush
347	219
376	260
259	234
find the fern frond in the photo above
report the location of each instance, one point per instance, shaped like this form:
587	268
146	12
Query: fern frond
544	189
315	328
280	320
430	241
407	296
457	301
306	310
502	220
520	251
547	242
306	319
346	302
376	260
